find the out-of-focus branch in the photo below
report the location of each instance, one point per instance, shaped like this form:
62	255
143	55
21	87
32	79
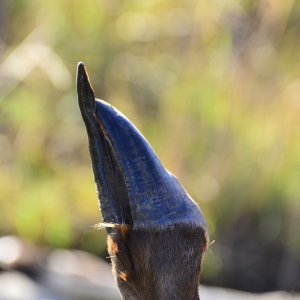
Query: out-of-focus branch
33	51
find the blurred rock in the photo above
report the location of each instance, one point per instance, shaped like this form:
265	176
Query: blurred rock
17	286
17	254
213	293
79	275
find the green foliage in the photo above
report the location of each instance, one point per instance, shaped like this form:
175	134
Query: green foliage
214	87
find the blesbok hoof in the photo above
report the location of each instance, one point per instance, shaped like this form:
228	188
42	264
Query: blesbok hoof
156	232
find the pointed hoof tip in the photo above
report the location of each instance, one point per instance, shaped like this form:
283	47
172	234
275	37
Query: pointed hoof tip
81	71
80	66
84	89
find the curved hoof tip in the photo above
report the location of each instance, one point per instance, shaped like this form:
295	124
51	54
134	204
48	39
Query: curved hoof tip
84	89
80	66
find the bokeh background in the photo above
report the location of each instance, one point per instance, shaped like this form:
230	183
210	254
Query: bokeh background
213	85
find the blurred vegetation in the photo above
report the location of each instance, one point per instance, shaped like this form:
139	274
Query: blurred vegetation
213	85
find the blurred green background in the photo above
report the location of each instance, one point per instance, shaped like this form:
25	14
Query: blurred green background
213	85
